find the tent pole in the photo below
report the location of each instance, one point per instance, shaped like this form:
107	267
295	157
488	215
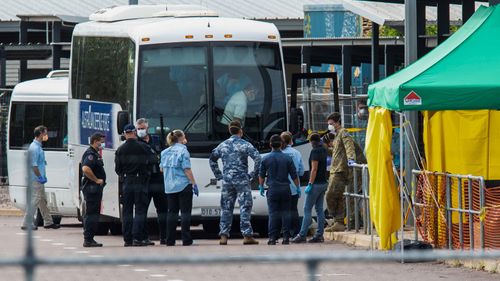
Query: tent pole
401	169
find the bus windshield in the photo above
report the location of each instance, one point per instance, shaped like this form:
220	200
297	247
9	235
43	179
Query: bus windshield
201	87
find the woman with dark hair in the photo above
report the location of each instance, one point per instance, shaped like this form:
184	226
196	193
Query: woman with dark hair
179	186
315	191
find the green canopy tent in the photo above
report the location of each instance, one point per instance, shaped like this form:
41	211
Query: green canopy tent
460	74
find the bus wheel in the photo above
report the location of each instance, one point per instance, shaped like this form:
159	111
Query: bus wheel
211	227
102	228
115	228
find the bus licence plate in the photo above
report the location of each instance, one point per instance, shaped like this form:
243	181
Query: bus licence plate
210	212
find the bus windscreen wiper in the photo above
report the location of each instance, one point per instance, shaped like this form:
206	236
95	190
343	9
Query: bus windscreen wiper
195	117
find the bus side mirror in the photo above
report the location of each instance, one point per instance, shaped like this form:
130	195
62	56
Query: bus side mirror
122	120
296	120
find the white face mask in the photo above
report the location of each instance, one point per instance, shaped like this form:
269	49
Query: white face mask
141	133
331	127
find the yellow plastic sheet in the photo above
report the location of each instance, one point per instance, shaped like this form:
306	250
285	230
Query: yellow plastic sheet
463	142
384	197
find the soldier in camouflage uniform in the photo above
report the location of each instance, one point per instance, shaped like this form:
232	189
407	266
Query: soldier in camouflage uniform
234	153
343	151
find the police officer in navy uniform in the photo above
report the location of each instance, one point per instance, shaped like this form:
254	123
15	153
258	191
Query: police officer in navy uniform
93	182
156	187
131	164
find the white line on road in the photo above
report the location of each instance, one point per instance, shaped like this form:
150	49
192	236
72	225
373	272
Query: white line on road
58	244
46	240
338	274
140	270
175	280
96	256
22	233
82	252
157	275
69	248
124	265
37	237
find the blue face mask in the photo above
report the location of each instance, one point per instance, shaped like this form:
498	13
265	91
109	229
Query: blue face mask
103	145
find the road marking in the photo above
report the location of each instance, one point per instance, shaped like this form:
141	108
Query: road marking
82	252
58	244
338	274
175	280
157	275
46	240
96	256
140	270
69	248
22	233
37	237
124	265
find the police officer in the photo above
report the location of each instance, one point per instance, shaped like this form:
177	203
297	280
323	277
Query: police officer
131	164
156	188
236	181
94	180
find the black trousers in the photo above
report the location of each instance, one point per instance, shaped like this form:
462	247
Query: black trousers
295	222
182	201
135	193
92	211
156	191
278	203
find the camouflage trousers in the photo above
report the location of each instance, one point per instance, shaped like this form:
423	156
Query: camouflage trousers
335	199
335	196
231	192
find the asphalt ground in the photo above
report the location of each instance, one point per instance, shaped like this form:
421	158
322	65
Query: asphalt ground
67	242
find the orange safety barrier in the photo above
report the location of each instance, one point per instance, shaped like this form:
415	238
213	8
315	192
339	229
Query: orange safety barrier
434	214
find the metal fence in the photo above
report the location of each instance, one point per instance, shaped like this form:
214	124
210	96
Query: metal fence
30	261
442	202
4	111
357	198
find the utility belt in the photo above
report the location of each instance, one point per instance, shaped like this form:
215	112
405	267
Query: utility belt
133	175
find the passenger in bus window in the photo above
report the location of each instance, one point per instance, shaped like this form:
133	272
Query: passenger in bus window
236	107
179	186
38	179
93	182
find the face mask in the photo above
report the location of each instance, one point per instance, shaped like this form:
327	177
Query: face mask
45	138
141	133
103	145
331	127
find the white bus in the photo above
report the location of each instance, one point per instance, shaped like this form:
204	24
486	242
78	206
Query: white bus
177	67
40	102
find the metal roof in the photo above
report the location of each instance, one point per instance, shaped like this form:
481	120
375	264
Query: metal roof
393	14
255	9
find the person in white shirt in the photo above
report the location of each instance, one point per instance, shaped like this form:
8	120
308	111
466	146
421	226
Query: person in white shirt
236	107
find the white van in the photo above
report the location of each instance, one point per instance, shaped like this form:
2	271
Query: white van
41	102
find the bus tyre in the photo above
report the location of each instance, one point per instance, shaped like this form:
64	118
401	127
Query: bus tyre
38	220
115	228
103	228
211	227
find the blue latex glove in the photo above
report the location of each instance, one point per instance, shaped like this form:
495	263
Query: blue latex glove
195	190
308	188
261	188
350	162
299	193
41	179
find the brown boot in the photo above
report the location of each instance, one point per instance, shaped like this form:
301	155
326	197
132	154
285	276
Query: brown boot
337	227
249	240
223	240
